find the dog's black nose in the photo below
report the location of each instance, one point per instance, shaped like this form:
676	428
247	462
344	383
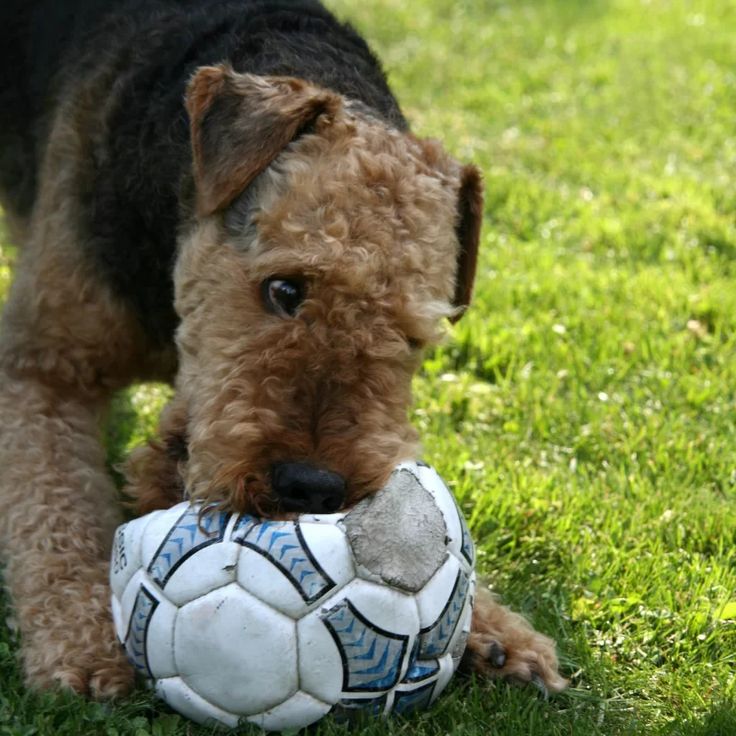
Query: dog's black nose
302	487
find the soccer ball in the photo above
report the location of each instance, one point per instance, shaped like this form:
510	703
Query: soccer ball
233	618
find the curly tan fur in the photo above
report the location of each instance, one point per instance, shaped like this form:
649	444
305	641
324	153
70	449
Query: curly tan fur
360	214
525	654
65	346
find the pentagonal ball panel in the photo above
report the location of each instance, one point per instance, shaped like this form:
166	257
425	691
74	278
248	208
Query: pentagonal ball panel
398	534
236	651
460	542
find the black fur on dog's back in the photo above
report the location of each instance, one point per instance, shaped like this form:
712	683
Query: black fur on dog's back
142	168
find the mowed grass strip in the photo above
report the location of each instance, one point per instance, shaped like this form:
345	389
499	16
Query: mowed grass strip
584	410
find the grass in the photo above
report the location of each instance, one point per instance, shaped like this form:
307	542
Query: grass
585	409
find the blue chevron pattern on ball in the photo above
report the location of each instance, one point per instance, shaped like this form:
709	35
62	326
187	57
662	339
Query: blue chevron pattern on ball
242	526
406	702
421	670
467	548
135	641
371	657
283	544
350	709
433	640
191	532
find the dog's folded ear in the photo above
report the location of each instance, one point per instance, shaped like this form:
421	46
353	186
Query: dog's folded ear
470	216
240	123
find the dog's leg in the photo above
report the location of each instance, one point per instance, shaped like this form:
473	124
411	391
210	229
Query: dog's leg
58	510
502	644
65	345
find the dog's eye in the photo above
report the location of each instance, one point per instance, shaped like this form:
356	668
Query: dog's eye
415	344
282	296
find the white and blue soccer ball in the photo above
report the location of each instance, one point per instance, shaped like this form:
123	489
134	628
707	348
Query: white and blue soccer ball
234	618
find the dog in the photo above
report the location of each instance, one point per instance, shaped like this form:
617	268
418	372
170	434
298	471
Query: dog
225	195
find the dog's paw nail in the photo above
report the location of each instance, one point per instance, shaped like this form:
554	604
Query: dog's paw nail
538	682
497	655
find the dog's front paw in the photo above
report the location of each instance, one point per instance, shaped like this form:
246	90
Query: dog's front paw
502	644
73	645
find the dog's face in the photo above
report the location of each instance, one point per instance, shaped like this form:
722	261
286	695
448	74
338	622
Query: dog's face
326	250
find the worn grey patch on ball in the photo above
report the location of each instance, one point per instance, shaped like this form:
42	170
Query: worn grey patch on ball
399	533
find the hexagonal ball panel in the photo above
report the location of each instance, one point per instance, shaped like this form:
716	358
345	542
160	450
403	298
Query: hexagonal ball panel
236	652
294	566
208	568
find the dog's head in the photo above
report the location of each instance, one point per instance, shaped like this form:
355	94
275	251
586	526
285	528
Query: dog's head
324	253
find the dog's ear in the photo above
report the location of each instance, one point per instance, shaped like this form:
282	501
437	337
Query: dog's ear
470	216
240	123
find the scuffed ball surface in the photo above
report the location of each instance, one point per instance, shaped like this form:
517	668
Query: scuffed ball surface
278	623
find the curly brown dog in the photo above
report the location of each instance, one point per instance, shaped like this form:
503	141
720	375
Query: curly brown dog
223	194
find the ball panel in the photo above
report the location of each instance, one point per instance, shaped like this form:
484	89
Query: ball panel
182	698
432	599
136	645
412	700
447	670
374	628
329	547
372	658
213	566
320	663
126	603
323	519
191	532
398	535
461	543
433	483
356	709
299	711
260	577
117	616
456	647
384	607
126	553
421	670
160	639
435	639
278	565
160	523
235	651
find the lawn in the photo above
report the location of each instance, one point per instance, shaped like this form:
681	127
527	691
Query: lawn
584	411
